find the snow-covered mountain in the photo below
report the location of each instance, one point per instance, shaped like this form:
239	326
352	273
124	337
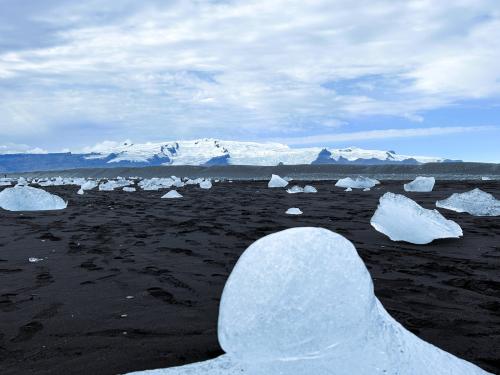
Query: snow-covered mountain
201	152
213	151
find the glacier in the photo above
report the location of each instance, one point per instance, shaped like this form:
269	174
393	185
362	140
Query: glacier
26	198
301	301
420	184
207	151
475	202
402	219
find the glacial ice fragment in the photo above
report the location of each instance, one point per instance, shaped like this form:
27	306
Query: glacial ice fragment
475	202
420	184
357	183
172	194
402	219
25	198
277	182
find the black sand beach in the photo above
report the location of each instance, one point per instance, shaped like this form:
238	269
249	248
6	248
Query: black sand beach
129	281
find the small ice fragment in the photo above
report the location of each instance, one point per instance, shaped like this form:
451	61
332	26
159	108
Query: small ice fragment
295	189
276	182
129	189
348	189
420	184
293	211
172	194
205	184
34	260
310	189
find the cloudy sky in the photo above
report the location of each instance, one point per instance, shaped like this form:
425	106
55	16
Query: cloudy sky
417	76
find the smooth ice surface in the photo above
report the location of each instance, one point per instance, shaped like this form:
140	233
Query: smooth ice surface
357	183
295	189
475	202
293	211
402	219
25	198
206	184
421	184
310	189
172	194
277	182
301	302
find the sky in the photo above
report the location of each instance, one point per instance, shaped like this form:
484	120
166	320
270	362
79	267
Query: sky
417	76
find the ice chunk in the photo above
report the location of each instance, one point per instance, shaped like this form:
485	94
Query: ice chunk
310	189
301	302
277	182
421	184
366	189
348	189
295	189
80	191
5	182
34	260
89	185
402	219
172	194
25	198
111	185
293	211
357	183
486	178
205	184
129	189
475	202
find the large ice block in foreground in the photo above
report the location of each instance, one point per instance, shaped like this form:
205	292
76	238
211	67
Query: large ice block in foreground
475	202
402	219
357	183
277	182
301	302
421	184
25	198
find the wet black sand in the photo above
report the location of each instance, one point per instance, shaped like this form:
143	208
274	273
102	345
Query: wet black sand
69	314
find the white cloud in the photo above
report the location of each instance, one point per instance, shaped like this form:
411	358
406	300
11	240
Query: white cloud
385	134
248	68
13	148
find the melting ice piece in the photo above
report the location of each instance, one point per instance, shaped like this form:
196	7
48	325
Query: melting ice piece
25	198
348	189
277	182
475	202
484	178
420	184
88	185
300	302
293	211
366	189
172	194
80	191
402	219
295	189
310	189
128	189
205	184
357	183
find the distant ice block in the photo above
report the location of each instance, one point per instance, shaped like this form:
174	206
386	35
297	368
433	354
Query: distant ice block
80	191
310	189
295	189
486	178
5	182
206	184
366	189
357	183
301	302
113	184
402	219
348	189
475	202
172	194
277	182
293	211
420	184
89	185
129	189
25	198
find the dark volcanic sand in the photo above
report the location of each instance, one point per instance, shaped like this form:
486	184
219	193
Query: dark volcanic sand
63	314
